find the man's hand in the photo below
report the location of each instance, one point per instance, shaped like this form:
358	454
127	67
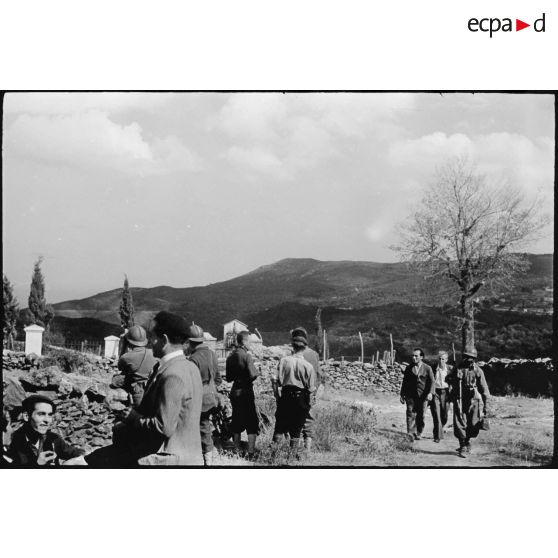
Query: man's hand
429	397
45	457
402	400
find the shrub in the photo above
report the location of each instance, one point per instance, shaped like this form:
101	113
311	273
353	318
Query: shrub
68	361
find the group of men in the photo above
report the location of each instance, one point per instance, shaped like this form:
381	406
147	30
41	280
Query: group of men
465	387
173	393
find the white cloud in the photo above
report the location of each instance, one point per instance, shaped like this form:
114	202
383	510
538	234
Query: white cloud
91	140
70	103
299	131
528	163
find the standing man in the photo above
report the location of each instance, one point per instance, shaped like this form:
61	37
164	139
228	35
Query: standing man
467	388
165	428
294	386
240	370
440	401
313	358
206	361
417	390
135	364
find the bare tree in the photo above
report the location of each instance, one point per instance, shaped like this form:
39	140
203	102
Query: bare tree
468	231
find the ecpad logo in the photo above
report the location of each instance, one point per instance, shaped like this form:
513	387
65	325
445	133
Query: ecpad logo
492	25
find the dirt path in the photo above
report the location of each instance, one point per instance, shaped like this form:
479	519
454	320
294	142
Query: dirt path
521	435
515	422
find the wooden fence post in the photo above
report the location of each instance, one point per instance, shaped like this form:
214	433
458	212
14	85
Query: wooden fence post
361	348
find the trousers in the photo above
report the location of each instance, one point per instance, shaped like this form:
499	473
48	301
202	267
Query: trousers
439	410
415	414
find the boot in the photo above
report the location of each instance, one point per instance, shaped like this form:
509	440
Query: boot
208	459
251	445
236	441
308	444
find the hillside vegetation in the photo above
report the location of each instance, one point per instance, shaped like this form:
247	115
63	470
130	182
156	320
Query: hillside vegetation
374	298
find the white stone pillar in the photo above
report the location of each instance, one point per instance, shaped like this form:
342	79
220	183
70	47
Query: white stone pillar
34	339
111	346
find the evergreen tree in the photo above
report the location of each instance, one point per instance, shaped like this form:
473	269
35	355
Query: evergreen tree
126	311
319	332
40	312
10	313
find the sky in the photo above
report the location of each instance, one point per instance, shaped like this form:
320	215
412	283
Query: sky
186	189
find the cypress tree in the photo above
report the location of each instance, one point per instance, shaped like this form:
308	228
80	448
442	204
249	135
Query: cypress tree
10	313
40	312
126	311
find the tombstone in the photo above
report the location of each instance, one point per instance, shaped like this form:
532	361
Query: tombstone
111	346
34	339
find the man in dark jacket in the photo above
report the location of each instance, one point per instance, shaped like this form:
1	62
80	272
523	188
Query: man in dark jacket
468	388
136	364
417	390
206	361
34	444
240	370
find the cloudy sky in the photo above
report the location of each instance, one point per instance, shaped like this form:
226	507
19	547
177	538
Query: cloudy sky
190	189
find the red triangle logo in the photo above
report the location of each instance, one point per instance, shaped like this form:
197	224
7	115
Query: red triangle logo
519	25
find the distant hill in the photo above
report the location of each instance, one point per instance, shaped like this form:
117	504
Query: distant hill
354	296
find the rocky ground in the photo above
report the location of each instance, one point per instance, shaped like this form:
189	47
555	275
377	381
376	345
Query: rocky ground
80	385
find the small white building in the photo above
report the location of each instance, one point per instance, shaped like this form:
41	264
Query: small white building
230	329
209	340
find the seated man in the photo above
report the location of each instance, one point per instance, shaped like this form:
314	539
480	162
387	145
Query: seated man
34	444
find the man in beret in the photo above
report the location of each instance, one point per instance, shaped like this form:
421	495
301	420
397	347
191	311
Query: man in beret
468	388
135	364
294	385
164	430
34	444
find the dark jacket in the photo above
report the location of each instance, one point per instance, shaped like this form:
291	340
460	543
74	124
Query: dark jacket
418	385
23	452
464	381
206	361
240	369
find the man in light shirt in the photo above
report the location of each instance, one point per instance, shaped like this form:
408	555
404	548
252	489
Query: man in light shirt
294	385
440	401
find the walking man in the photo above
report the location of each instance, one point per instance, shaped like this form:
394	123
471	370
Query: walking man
440	402
294	386
417	390
240	370
468	388
206	361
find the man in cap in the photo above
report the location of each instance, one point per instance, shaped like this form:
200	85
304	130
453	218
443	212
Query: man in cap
34	444
135	364
206	360
294	385
240	370
165	428
417	390
468	388
313	358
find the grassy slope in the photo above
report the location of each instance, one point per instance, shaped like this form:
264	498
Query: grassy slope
369	430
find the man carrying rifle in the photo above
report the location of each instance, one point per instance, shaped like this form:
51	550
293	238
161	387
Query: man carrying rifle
468	388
